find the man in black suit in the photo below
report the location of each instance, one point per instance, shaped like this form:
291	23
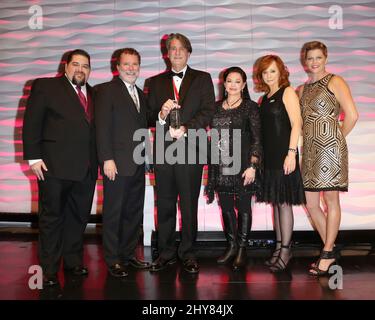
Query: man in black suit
59	142
194	92
120	111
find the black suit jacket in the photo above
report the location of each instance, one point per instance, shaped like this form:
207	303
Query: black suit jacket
197	97
117	119
56	129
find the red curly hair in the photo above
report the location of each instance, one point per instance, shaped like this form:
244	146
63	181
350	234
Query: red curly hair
262	64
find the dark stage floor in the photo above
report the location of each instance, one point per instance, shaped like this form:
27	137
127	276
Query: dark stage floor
213	282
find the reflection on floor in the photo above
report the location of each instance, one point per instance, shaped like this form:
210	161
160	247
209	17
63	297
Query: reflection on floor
213	282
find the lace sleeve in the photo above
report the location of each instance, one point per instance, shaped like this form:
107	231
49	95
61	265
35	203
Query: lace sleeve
209	190
256	149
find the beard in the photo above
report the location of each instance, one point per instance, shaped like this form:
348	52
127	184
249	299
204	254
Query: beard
79	82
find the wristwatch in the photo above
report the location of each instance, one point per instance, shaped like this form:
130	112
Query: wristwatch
253	165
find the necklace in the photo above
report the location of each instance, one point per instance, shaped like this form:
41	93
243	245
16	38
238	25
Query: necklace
230	105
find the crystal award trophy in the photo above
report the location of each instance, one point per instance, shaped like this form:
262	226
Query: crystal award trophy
175	117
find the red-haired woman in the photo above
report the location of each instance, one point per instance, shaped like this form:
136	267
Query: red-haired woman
281	127
325	154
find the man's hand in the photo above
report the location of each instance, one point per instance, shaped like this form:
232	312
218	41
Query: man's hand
167	107
110	169
38	168
177	133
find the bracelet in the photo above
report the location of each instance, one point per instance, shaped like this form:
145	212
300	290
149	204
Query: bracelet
293	150
253	165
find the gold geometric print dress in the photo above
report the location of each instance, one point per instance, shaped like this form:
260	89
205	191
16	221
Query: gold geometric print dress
325	153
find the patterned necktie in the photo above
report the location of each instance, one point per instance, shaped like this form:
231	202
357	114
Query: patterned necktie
83	100
134	97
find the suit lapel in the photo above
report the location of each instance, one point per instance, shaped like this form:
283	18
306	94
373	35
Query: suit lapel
185	85
74	97
128	100
90	103
168	86
142	106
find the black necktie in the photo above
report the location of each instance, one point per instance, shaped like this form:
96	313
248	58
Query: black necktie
180	74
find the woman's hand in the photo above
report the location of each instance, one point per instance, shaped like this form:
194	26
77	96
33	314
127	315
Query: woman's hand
290	163
249	176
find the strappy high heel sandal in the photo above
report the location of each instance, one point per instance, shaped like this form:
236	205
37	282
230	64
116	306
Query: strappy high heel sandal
316	271
269	262
337	253
280	265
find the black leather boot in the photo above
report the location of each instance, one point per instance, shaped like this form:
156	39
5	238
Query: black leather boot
244	225
230	230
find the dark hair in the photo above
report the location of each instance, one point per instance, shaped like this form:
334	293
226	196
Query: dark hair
245	91
262	64
312	45
127	51
77	52
183	39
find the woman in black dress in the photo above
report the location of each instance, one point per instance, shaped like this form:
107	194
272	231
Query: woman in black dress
281	127
236	126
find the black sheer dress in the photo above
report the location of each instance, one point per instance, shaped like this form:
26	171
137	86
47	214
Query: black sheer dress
278	188
246	141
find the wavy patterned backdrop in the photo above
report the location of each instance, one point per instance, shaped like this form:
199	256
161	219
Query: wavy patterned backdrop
35	34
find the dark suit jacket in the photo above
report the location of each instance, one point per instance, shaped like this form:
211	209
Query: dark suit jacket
117	119
56	130
197	97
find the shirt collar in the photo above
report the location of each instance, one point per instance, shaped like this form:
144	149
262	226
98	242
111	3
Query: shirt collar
83	88
128	85
183	71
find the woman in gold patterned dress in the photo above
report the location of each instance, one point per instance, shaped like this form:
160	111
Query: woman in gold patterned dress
325	155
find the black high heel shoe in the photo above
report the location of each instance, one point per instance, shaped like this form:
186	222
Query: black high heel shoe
316	271
337	253
275	254
280	265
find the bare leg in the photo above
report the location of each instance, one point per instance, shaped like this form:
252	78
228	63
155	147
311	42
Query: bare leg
332	200
316	213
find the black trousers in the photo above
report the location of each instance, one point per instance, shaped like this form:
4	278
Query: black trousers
122	215
183	182
64	210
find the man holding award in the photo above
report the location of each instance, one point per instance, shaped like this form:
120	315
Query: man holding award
184	100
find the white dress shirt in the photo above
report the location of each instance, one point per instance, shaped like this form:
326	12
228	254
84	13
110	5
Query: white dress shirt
128	86
177	81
